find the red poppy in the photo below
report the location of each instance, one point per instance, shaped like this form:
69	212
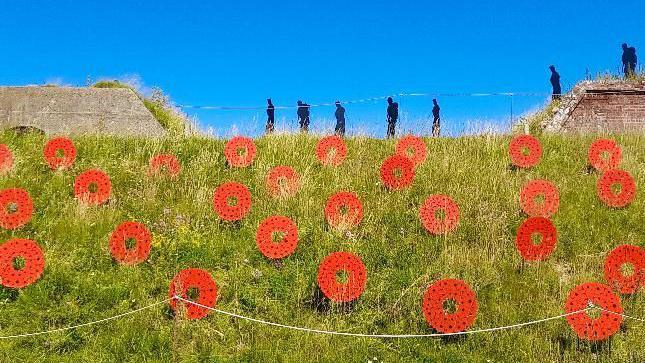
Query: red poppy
166	162
6	159
199	282
413	148
397	172
282	181
353	285
441	317
92	187
525	151
32	257
286	245
16	208
584	325
439	204
609	180
343	210
60	153
604	154
240	151
331	150
130	231
619	257
232	201
530	196
541	226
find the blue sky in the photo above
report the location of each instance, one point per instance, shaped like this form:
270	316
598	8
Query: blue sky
239	53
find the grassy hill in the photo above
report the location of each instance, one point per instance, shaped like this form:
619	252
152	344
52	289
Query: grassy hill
81	282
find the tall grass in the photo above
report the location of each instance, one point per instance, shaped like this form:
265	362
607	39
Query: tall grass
82	283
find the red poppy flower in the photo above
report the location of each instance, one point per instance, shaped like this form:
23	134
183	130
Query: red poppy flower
16	208
625	283
166	162
32	257
412	147
232	201
584	325
195	285
431	210
282	181
130	231
331	150
397	172
440	316
611	179
539	198
343	210
240	151
353	285
60	153
92	187
604	154
525	151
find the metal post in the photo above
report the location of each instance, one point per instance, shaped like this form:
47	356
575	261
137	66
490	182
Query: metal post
511	109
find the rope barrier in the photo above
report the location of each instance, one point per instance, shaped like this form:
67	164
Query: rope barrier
623	315
363	100
85	324
310	330
330	332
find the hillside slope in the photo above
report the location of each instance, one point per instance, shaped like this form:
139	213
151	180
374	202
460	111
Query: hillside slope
81	282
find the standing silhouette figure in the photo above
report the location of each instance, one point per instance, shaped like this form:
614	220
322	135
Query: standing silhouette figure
629	60
436	123
303	116
340	120
270	117
392	116
555	83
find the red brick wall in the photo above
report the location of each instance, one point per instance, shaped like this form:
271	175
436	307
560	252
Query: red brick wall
609	107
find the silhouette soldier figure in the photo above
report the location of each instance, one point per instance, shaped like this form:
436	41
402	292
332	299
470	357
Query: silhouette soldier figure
436	125
555	83
629	60
270	116
340	120
303	116
392	116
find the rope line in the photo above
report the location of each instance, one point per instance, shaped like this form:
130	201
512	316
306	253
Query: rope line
363	100
310	330
330	332
623	315
86	324
422	94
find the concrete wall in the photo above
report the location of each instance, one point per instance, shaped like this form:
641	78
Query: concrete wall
70	111
602	106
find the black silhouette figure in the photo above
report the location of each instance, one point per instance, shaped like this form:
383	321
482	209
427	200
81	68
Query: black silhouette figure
392	116
555	83
270	116
340	120
303	116
629	60
436	123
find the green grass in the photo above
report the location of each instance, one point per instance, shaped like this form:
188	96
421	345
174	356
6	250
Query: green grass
82	283
175	123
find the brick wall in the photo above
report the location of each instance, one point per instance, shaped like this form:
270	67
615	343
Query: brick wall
602	106
69	110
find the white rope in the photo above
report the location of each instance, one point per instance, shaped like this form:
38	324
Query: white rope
381	335
362	100
623	315
309	330
85	324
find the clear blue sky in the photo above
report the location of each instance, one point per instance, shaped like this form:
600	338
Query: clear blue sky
240	52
